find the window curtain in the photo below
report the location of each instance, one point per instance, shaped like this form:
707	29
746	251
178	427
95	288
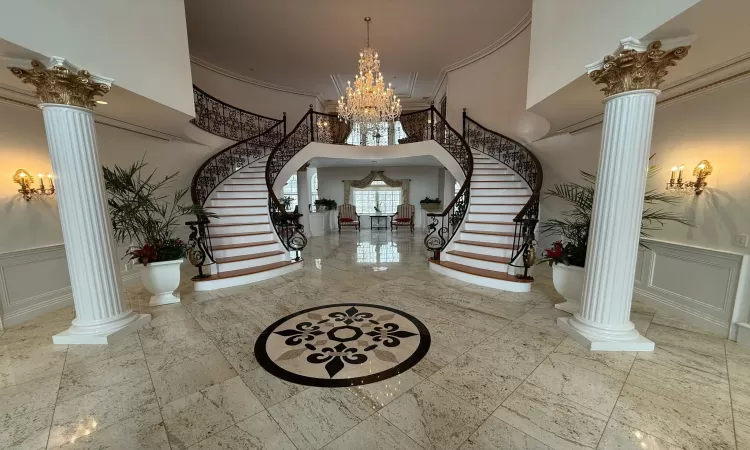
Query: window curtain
415	126
372	176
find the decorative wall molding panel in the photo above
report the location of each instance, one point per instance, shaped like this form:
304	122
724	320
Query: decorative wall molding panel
696	284
36	281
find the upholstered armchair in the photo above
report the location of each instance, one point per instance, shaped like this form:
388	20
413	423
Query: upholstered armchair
348	217
404	217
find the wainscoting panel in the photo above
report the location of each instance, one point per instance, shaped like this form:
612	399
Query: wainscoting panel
697	284
36	281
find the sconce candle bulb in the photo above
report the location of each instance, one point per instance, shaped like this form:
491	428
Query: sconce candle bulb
25	181
701	171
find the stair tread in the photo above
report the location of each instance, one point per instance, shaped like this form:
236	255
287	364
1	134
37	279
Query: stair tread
486	244
235	246
489	222
492	233
252	233
248	271
480	272
235	224
490	258
248	257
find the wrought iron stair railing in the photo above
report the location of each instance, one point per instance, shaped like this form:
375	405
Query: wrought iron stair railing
229	122
219	118
444	225
522	161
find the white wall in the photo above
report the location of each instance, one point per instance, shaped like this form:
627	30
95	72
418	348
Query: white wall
252	97
424	183
491	90
712	126
142	44
568	35
23	144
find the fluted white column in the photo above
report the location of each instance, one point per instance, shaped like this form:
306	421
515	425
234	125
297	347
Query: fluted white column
89	247
303	199
603	322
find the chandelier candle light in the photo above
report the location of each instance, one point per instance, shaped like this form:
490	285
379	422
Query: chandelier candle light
369	102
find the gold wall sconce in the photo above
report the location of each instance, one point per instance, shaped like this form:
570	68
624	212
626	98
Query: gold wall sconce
26	181
701	171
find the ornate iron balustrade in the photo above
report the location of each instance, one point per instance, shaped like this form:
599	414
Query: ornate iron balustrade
444	225
522	161
221	119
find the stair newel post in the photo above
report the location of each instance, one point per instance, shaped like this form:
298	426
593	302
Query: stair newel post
463	124
283	122
312	124
432	120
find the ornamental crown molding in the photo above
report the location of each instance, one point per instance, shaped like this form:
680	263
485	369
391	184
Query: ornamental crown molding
61	82
637	64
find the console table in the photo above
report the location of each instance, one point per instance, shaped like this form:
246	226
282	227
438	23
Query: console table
379	222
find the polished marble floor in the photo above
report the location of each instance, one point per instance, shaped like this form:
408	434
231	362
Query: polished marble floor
499	374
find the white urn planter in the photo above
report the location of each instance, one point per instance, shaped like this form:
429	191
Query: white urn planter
162	279
568	281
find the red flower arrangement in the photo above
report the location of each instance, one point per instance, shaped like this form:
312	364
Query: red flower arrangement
168	250
568	254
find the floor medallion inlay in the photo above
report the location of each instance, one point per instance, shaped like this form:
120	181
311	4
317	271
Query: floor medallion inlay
343	344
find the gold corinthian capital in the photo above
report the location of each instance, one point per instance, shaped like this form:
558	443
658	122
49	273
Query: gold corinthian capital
60	85
631	70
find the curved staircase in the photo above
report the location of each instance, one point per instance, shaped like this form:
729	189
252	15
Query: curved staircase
484	236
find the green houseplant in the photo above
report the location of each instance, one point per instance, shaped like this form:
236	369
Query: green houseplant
430	204
568	255
325	204
146	218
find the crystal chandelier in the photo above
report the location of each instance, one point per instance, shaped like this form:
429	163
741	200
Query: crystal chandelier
369	102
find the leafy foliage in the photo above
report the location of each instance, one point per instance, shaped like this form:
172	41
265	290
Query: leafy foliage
144	217
429	200
327	203
575	223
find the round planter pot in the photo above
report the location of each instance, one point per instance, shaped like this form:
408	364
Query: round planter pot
568	281
161	279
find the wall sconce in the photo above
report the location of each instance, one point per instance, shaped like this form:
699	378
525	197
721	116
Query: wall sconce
25	180
701	171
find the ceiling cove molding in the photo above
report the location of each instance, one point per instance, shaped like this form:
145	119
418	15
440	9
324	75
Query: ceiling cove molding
340	86
227	73
709	80
492	48
100	119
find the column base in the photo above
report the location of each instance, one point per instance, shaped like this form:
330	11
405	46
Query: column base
164	299
637	343
73	334
569	306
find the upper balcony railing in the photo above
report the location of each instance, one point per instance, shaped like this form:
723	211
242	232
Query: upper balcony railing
522	161
222	119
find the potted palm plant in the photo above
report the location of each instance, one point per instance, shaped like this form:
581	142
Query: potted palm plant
146	219
568	255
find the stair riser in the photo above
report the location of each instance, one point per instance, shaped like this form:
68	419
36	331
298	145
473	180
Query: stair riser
506	184
226	267
493	178
254	171
244	187
234	229
476	200
485	171
260	203
500	192
490	227
232	194
249	178
491	217
481	281
478	263
243	210
509	209
245	251
469	236
242	239
258	223
210	285
505	253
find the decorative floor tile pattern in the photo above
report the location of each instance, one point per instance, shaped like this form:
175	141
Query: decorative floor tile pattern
498	375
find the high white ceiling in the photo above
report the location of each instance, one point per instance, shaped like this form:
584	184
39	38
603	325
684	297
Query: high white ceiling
313	45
